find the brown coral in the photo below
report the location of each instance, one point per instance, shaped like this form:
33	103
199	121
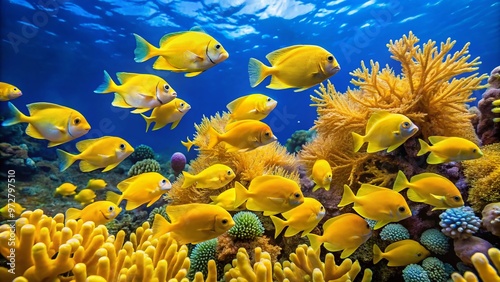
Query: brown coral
426	91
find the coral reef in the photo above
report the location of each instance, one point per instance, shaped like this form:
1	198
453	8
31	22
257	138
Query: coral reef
483	176
415	273
394	232
200	256
15	157
428	92
465	248
435	241
487	272
247	226
177	162
435	269
298	139
487	129
228	247
491	218
146	165
268	159
142	152
459	223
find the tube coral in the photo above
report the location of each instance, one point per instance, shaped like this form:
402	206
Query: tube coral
427	91
486	270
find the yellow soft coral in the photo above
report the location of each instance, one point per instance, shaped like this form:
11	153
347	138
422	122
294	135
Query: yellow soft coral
87	251
483	175
427	91
269	159
486	270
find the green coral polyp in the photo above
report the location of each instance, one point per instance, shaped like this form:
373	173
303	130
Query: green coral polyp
147	165
247	226
201	254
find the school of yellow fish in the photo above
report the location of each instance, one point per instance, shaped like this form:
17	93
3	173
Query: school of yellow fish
194	52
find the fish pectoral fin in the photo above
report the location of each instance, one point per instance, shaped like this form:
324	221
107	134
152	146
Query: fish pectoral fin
277	200
191	74
105	156
438	197
190	56
61	129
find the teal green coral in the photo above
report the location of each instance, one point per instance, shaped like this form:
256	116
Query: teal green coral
247	226
201	254
142	152
415	273
436	269
394	232
147	165
435	241
159	210
299	138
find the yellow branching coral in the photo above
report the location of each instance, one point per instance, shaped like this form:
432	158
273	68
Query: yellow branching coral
487	272
305	265
483	175
271	159
86	252
427	91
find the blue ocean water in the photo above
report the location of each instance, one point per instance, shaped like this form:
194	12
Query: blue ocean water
56	51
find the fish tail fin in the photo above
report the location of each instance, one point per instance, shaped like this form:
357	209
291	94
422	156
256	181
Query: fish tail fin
148	121
143	50
315	241
65	159
189	179
257	71
401	182
113	197
188	144
214	138
358	141
377	254
73	213
279	225
241	194
424	147
160	226
17	116
107	86
348	196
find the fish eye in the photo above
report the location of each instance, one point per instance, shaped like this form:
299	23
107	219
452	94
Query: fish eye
267	134
406	124
122	146
269	99
474	150
111	208
229	172
166	87
297	195
368	226
401	209
217	46
76	121
321	208
330	58
224	221
15	89
163	181
456	198
419	254
182	104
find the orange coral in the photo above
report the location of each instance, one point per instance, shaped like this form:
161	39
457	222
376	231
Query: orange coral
426	91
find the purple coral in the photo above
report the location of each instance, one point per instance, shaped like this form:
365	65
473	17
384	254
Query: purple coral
178	162
491	218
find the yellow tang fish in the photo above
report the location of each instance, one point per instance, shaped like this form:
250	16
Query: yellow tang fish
11	210
242	136
172	112
430	188
193	223
9	92
86	196
226	200
107	152
303	217
271	194
345	232
96	184
52	122
140	189
297	66
378	203
191	51
449	149
213	177
100	212
65	189
253	106
321	175
385	130
401	253
140	91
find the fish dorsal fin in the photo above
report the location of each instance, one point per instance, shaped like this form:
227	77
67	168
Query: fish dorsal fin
232	125
84	144
167	37
122	186
197	28
436	139
375	117
35	107
235	103
175	213
123	77
366	189
274	56
259	180
333	219
425	175
398	244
